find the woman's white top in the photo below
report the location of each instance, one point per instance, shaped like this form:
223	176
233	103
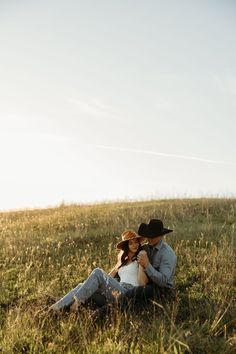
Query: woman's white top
129	273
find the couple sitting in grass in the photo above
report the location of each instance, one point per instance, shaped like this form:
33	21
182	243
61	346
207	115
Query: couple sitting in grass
142	272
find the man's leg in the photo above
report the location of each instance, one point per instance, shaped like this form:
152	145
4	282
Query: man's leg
96	300
139	295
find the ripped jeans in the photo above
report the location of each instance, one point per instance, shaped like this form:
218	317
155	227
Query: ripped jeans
97	280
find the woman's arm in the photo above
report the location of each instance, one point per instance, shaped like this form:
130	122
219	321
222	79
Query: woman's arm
114	270
142	277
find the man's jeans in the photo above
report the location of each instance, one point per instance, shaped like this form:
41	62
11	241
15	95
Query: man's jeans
97	280
140	296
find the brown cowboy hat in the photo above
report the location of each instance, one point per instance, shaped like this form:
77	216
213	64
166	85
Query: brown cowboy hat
153	229
126	236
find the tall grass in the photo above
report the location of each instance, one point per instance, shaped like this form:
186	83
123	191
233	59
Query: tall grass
44	253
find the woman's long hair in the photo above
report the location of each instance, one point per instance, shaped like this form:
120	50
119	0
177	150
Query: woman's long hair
125	257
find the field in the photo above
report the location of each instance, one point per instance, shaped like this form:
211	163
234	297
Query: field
44	253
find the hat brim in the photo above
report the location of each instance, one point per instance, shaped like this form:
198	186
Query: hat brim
167	231
121	244
147	232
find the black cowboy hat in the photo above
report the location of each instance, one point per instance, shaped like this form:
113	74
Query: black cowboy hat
153	229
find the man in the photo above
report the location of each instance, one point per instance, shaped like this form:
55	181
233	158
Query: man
159	262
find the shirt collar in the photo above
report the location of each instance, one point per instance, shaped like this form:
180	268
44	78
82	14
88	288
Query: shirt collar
159	245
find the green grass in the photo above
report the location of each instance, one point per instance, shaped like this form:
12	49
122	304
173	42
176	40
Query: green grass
45	253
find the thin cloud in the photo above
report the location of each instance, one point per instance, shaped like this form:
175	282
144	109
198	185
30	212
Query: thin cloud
156	153
94	107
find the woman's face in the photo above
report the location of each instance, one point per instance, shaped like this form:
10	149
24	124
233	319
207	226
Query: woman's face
133	245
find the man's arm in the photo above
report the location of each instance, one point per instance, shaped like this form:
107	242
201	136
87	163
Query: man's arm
162	276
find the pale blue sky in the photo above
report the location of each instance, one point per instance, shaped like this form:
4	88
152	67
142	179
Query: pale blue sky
112	99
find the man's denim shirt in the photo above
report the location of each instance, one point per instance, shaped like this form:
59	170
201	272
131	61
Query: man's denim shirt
161	268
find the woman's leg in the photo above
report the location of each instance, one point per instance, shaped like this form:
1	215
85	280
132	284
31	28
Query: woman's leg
98	279
67	300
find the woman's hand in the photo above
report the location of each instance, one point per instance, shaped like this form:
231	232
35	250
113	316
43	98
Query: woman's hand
143	259
142	276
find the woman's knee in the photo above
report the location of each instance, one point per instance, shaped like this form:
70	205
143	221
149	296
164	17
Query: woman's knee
99	274
98	271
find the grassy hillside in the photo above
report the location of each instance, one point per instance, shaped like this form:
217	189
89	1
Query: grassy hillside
45	253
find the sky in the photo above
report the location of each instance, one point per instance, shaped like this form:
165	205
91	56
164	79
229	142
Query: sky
109	100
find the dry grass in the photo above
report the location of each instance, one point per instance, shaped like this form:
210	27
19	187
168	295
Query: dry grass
44	253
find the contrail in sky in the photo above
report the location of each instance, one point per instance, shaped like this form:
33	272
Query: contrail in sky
156	153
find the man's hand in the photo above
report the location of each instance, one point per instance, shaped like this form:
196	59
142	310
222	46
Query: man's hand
143	259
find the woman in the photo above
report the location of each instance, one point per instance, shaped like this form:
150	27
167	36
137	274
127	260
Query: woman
128	270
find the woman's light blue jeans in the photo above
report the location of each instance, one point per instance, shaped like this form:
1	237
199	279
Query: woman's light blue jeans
97	280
